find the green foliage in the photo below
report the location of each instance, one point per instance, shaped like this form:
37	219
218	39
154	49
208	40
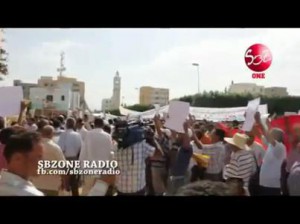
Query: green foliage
140	108
3	62
217	99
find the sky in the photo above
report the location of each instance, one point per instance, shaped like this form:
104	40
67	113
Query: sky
151	57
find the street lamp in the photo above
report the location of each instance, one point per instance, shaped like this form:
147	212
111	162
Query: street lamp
197	65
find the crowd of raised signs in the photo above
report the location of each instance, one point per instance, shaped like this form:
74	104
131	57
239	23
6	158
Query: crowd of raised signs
206	158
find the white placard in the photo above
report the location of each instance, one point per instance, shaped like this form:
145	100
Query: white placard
99	189
250	112
10	100
178	113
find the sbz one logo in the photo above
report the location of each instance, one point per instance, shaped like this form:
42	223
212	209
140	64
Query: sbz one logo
258	58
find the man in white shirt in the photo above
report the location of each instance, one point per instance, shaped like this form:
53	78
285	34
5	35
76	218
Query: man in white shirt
22	153
270	173
81	129
49	184
31	126
97	146
87	124
70	142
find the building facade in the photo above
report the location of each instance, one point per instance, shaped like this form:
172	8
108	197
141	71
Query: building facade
114	102
246	88
62	99
26	87
150	95
251	88
76	86
276	92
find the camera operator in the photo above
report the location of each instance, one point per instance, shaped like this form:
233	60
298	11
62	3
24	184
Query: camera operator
131	162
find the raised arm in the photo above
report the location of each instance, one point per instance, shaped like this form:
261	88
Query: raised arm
22	109
264	130
158	126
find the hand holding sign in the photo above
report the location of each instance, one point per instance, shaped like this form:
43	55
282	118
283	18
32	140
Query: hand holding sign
250	114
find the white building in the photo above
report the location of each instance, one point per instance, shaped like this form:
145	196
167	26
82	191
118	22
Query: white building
276	91
62	99
245	88
151	95
252	88
114	102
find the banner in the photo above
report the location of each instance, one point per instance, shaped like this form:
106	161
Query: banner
200	113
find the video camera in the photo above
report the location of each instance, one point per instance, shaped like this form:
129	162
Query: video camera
129	133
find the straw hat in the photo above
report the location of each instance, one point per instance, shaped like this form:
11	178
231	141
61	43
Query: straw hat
239	140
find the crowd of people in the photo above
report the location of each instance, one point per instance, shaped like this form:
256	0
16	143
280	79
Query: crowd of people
206	159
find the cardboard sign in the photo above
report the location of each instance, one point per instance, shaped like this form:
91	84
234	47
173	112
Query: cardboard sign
250	112
10	100
178	113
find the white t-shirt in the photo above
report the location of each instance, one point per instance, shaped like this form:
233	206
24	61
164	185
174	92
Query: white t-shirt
13	185
270	172
52	152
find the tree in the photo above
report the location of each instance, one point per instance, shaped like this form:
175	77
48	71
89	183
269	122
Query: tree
3	57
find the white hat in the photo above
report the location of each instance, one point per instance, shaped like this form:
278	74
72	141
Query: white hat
239	140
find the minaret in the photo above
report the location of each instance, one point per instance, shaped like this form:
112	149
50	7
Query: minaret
116	98
62	68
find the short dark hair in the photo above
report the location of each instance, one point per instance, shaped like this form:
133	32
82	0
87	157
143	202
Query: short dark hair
61	119
220	133
235	123
107	129
70	124
21	143
13	123
98	122
42	123
110	121
56	123
79	121
205	188
2	123
5	134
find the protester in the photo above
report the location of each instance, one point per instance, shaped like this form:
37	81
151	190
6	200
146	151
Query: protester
2	123
31	126
5	134
216	153
97	146
22	153
132	165
87	124
41	124
179	171
294	180
242	164
270	173
81	129
57	130
70	142
50	184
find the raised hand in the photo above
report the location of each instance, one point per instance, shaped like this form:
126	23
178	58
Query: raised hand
257	118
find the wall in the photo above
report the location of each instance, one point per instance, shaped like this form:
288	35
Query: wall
38	97
150	95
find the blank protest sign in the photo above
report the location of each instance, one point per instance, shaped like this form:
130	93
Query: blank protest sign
10	100
178	113
250	113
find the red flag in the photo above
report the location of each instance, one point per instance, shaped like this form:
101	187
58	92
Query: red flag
286	123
